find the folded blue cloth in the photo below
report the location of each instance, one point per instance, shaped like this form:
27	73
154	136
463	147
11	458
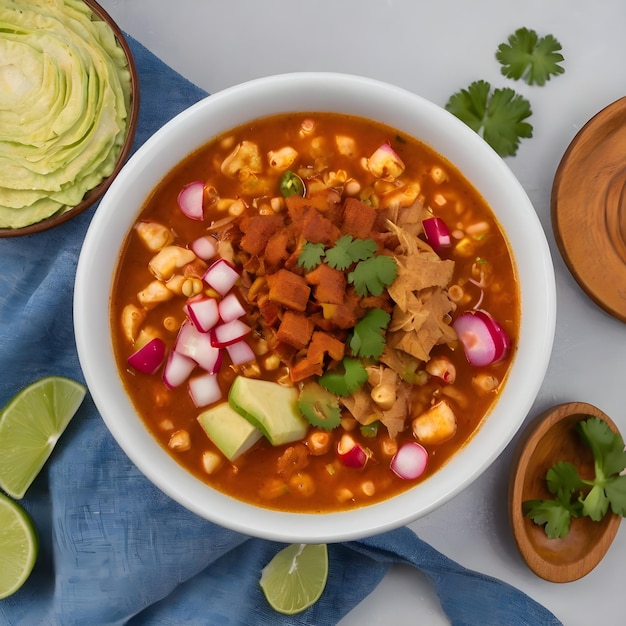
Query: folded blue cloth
115	549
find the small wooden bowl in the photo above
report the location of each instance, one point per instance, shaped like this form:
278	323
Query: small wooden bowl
550	438
97	192
588	208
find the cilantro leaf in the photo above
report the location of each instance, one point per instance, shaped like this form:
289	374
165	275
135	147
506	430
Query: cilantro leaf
319	406
556	516
578	496
311	255
595	503
606	445
345	379
531	58
563	480
368	339
373	275
348	250
616	492
498	116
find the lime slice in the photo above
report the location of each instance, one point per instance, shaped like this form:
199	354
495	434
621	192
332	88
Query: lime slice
30	425
295	578
18	546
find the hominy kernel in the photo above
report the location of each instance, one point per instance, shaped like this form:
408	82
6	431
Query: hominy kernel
438	174
180	440
440	200
352	187
210	461
389	446
302	483
272	362
344	495
170	323
318	442
456	292
368	488
485	382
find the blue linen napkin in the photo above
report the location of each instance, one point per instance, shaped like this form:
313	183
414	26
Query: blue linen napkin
116	550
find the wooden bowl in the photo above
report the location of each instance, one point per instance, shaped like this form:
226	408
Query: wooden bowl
589	209
97	192
550	438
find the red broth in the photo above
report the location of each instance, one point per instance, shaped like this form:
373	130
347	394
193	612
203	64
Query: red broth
358	175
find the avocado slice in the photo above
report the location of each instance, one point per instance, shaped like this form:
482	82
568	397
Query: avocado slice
228	430
270	407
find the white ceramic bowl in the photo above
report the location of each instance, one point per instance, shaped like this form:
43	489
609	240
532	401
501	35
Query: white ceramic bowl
309	92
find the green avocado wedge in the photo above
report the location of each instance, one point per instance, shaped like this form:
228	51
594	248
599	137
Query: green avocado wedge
270	407
228	430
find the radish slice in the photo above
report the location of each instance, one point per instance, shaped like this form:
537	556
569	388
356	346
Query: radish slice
148	358
230	308
222	276
410	461
351	453
437	233
197	346
204	313
204	390
240	353
204	247
191	199
177	369
224	335
483	339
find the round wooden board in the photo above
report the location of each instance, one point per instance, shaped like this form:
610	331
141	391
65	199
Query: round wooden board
550	438
589	208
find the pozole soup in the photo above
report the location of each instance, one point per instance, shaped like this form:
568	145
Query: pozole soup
314	312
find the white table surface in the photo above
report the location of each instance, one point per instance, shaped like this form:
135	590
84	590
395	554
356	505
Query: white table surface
433	49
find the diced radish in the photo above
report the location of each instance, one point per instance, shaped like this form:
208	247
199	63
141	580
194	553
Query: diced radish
204	389
210	359
385	163
483	339
350	452
204	313
204	247
437	233
148	358
197	345
410	461
191	199
226	334
240	353
177	369
230	308
222	276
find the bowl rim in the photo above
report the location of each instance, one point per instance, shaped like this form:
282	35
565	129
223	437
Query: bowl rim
93	195
535	344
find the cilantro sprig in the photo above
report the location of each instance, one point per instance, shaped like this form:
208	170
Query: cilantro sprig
578	497
368	336
529	57
500	114
371	273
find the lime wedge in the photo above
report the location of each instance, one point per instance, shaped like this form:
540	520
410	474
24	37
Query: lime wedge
18	546
30	425
295	578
